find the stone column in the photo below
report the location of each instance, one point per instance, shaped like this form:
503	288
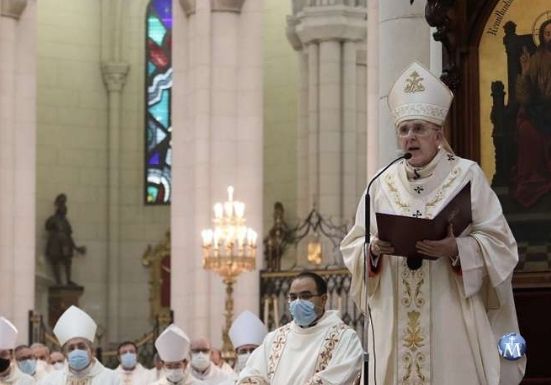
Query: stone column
17	160
217	141
397	19
329	39
114	77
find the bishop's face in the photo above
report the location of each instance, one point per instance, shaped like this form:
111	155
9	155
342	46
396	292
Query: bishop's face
421	139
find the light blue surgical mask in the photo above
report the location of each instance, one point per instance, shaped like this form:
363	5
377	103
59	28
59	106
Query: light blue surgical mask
27	366
128	360
78	359
303	312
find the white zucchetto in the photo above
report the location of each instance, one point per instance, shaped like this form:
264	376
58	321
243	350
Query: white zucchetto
75	323
418	94
247	329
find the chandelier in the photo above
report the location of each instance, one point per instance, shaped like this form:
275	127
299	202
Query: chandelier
229	249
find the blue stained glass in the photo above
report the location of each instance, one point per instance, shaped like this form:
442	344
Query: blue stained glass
158	85
164	10
160	110
155	159
160	136
152	193
150	68
156	30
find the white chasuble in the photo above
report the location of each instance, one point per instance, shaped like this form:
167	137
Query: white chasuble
327	353
97	374
439	324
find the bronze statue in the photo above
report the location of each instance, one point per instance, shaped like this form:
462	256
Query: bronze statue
277	240
61	246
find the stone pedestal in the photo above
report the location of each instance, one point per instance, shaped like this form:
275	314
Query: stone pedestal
60	298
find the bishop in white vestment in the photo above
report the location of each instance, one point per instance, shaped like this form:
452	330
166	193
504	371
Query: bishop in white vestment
9	372
76	332
440	323
309	350
173	348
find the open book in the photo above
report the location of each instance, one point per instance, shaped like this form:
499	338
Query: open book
404	232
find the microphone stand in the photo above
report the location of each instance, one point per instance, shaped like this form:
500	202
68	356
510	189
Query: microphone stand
367	221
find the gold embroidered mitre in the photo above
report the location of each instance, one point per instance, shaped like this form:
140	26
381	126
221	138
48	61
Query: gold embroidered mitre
418	94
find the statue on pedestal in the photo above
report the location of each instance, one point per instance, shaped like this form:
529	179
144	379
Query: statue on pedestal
61	246
277	240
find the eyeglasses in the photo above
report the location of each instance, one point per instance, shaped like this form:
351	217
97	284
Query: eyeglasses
304	295
419	130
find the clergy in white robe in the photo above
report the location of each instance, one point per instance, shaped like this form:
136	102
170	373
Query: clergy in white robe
440	323
14	376
202	368
173	348
9	372
94	374
130	371
75	331
317	347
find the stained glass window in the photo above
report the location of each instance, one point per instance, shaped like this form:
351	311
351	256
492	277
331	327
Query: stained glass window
158	125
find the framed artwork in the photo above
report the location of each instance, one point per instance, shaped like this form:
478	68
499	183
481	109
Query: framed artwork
514	60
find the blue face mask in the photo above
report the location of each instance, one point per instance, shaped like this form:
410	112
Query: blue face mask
78	359
303	312
27	366
128	360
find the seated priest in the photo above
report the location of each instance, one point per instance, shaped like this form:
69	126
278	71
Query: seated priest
130	371
75	331
317	347
202	368
246	334
173	349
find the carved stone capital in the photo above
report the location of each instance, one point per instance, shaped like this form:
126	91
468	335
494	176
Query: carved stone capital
188	6
323	23
226	5
12	8
114	75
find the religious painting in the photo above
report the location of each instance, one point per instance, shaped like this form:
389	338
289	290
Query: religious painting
515	121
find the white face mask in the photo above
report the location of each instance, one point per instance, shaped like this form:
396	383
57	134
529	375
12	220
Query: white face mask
200	361
241	361
58	365
174	375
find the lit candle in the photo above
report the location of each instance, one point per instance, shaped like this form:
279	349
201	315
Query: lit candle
218	210
228	209
230	193
266	310
207	237
276	311
239	208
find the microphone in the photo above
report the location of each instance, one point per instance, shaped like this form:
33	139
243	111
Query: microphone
406	156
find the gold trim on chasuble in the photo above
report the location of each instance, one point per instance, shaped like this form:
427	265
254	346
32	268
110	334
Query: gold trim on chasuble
78	381
413	308
277	349
330	342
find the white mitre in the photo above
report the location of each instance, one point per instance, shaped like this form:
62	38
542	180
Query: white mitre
8	334
418	94
173	344
75	323
247	329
